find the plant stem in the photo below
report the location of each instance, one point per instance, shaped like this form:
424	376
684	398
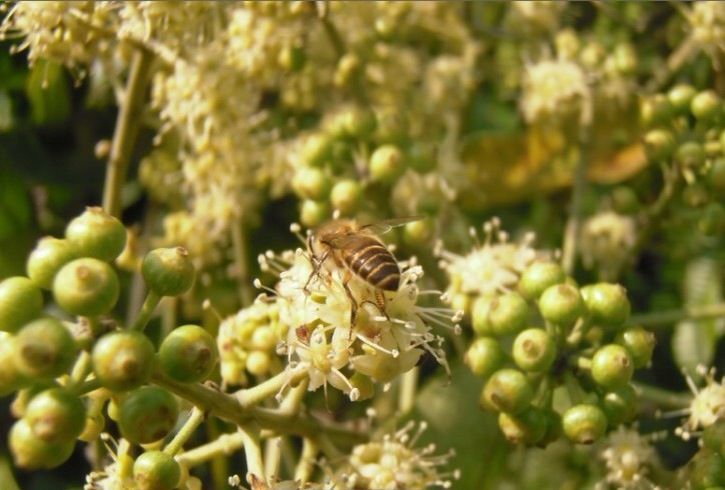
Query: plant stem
661	397
660	318
168	315
252	450
191	424
87	386
126	131
147	310
306	463
272	457
241	258
224	445
573	224
253	396
408	385
80	371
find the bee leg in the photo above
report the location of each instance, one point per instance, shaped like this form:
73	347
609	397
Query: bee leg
316	266
380	301
353	304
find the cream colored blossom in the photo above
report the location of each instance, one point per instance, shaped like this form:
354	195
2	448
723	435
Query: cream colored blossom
707	406
607	240
628	457
554	91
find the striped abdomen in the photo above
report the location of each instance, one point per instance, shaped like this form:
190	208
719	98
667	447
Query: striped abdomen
374	263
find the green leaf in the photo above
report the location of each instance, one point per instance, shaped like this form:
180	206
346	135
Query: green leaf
693	341
49	94
456	421
6	111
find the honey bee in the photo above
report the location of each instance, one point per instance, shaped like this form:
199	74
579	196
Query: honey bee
358	251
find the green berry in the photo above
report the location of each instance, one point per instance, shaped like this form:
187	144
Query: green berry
528	427
44	348
680	97
553	428
562	305
422	158
659	144
359	123
386	164
418	232
612	366
708	470
156	470
188	354
316	150
584	424
538	277
97	234
620	405
508	314
713	437
24	396
640	343
655	110
508	390
168	271
346	195
20	302
706	105
86	287
47	258
10	378
314	213
690	154
534	350
56	415
479	315
147	414
607	303
311	183
123	360
484	356
32	453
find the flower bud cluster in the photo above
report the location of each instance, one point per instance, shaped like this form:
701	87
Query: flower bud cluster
248	340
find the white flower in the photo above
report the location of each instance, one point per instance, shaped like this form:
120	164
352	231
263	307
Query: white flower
326	339
628	456
554	91
394	463
607	240
707	406
490	268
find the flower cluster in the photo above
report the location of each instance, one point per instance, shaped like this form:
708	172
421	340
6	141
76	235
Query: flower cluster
345	332
707	406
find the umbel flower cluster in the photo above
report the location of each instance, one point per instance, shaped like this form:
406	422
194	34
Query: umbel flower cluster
136	344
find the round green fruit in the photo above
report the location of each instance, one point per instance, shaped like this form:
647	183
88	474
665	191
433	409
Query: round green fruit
387	163
612	366
508	314
147	414
527	428
97	234
20	301
44	348
86	287
56	415
123	360
47	258
484	356
620	405
584	424
640	343
311	183
607	304
508	390
346	195
562	305
314	213
538	277
188	354
32	453
534	350
156	470
168	271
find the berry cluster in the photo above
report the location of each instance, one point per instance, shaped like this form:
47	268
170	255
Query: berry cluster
557	357
356	151
64	372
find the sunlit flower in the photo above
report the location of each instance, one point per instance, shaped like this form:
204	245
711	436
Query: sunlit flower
491	267
554	91
707	20
707	406
628	456
607	240
330	337
394	463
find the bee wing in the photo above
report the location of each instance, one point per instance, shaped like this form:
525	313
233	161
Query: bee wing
347	241
384	226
